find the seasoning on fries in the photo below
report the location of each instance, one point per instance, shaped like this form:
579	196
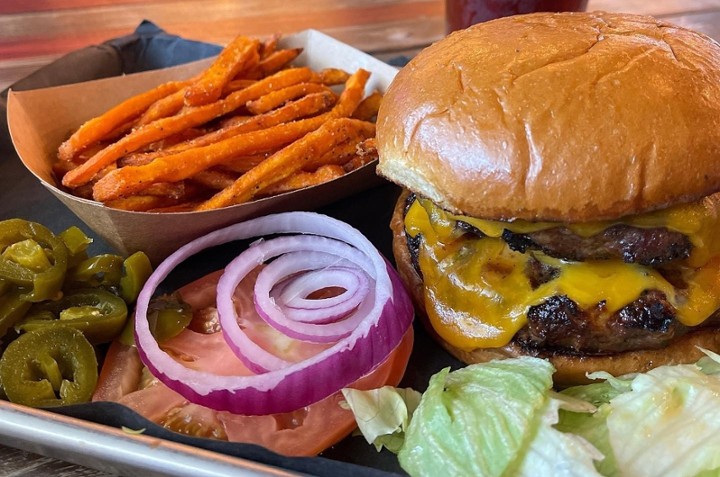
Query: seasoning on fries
249	126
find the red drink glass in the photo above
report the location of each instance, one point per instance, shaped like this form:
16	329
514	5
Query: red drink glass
461	14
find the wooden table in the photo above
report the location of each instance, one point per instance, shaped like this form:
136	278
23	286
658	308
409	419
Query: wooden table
33	33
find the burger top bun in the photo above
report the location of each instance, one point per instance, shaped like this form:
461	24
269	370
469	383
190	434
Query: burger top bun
562	117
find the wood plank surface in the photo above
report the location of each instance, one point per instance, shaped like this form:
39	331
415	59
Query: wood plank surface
33	33
32	38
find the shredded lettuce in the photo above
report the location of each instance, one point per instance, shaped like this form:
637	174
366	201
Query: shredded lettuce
503	419
555	453
665	422
465	423
668	424
383	414
492	419
593	428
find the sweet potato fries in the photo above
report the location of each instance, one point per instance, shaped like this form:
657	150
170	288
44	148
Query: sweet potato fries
249	126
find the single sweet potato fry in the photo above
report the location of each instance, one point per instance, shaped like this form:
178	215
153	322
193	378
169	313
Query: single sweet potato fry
186	192
173	190
238	84
214	179
97	128
163	107
274	62
269	46
338	155
332	76
278	98
366	152
242	164
235	57
368	107
352	95
303	179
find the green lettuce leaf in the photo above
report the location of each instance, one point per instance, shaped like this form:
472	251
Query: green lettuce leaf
552	452
383	414
663	422
493	419
669	424
503	419
593	427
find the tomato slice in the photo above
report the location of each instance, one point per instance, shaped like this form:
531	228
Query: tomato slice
304	432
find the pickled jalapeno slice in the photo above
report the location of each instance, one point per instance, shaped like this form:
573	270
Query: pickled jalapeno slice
51	366
32	258
97	313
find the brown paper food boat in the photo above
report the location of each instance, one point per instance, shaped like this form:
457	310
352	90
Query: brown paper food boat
39	120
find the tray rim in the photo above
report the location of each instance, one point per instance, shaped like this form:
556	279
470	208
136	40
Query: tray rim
110	449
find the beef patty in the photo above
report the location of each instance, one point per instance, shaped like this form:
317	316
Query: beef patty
559	323
646	246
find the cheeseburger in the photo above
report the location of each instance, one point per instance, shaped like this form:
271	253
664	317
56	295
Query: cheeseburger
560	178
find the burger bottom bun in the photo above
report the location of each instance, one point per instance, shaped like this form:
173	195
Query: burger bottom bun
570	369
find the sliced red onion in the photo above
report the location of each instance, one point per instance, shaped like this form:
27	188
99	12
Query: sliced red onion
253	356
318	323
366	333
297	306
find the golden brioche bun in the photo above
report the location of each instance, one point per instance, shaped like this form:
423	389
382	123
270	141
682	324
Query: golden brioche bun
570	369
562	117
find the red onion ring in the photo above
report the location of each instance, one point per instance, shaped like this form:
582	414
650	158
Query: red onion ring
305	273
325	328
296	306
253	356
380	319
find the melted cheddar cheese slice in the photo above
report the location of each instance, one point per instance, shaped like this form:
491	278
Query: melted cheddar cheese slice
477	293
